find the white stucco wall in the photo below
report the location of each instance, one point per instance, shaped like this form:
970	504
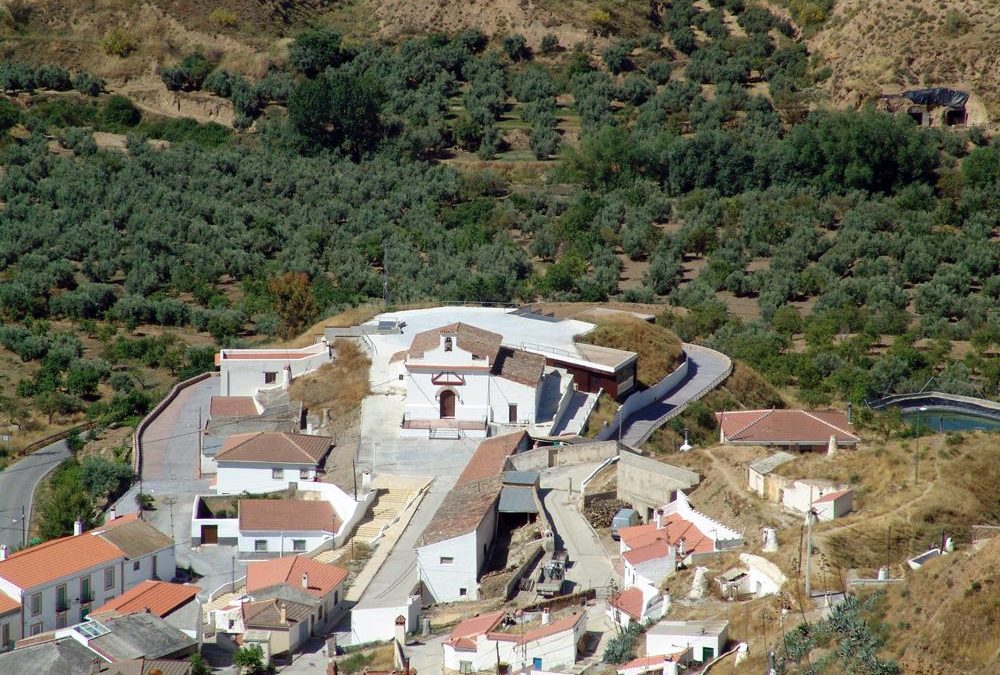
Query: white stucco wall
836	508
244	377
229	528
667	644
554	651
444	581
233	478
650	572
164	567
281	543
504	392
799	496
370	624
755	482
471	398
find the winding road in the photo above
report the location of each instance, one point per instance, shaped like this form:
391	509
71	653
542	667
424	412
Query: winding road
17	487
706	367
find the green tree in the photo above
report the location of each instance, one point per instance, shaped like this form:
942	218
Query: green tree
293	301
199	666
250	659
102	477
338	110
314	51
120	113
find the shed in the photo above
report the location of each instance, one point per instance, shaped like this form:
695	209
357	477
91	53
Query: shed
834	504
758	471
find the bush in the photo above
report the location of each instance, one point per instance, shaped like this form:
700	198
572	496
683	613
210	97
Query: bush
118	42
223	17
550	44
188	75
10	115
88	84
516	47
314	51
659	71
119	113
53	77
616	57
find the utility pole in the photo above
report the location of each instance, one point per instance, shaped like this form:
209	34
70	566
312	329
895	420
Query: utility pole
809	546
354	473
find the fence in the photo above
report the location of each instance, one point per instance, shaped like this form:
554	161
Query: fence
641	399
154	413
49	440
563	601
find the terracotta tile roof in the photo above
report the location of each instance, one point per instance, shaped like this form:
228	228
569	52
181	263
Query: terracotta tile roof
144	666
637	556
121	520
58	558
519	366
557	626
490	457
831	496
293	515
267	613
274	447
652	661
135	538
463	636
785	427
480	343
629	601
157	597
674	529
323	578
8	604
476	491
232	406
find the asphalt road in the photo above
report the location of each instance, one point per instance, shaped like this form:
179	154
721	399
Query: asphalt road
17	487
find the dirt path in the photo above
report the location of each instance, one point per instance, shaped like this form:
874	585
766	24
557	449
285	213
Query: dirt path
725	470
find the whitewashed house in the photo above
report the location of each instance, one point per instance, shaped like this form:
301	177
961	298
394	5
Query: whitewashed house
460	379
706	639
278	527
638	603
477	644
808	493
243	372
57	583
453	547
755	577
834	505
648	565
269	461
660	664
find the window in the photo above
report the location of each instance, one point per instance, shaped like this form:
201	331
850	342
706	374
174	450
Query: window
135	566
109	578
270	377
61	620
336	597
277	474
36	604
5	639
447	560
298	544
512	412
303	474
260	545
85	593
36	628
447	344
61	604
463	592
465	667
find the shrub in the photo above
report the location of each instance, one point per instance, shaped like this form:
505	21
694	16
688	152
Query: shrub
314	51
120	113
88	84
10	115
659	71
516	47
223	17
616	57
188	75
118	42
53	77
550	44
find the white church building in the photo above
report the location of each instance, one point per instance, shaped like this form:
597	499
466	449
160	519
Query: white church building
460	379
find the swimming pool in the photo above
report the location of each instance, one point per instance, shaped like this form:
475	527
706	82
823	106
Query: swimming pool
939	422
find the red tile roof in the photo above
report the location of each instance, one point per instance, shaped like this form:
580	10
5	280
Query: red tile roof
480	343
274	447
673	531
830	496
637	556
232	406
557	626
476	491
491	456
629	601
651	661
8	604
463	636
323	578
157	597
56	559
519	366
785	427
292	515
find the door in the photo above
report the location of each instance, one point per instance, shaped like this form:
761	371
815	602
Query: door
447	404
210	534
512	412
707	654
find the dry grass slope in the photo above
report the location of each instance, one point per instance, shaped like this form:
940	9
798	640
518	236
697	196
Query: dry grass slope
659	349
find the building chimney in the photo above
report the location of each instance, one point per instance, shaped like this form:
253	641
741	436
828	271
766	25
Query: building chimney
659	519
545	616
3	551
77	528
850	413
400	637
282	614
681	547
305	580
112	514
831	446
286	377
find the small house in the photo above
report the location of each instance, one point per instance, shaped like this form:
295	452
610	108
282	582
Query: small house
791	429
478	643
706	639
834	504
660	664
759	475
269	461
244	372
638	603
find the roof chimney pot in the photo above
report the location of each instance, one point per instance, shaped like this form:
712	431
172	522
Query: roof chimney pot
77	528
305	580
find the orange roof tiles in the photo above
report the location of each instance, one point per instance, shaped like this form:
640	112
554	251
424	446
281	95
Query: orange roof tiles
785	427
480	343
463	635
558	626
232	406
629	601
293	515
56	559
491	456
275	447
157	597
323	578
637	556
651	661
8	604
519	366
673	531
831	496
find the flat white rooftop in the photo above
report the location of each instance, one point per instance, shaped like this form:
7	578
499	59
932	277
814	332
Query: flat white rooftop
517	330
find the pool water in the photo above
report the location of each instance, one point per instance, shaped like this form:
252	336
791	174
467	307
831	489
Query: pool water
938	422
